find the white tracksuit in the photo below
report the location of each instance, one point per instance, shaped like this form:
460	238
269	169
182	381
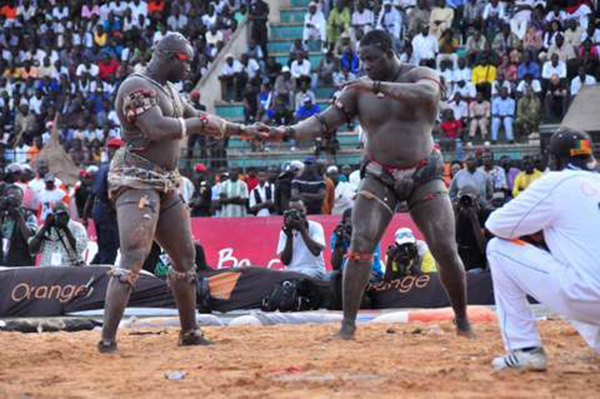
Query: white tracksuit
564	205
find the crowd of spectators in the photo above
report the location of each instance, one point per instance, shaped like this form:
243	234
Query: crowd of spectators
68	58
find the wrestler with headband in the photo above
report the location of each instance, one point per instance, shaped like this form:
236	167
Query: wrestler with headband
397	105
144	178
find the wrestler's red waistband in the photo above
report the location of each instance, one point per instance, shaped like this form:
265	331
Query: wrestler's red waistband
391	169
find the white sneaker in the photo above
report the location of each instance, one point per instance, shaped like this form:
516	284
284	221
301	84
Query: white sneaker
521	360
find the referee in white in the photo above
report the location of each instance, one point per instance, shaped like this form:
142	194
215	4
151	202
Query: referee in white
561	271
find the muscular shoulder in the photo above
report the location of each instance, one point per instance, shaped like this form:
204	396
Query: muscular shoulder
420	72
134	83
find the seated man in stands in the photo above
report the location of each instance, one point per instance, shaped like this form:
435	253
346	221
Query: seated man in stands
407	256
340	243
17	225
61	241
314	24
231	82
301	242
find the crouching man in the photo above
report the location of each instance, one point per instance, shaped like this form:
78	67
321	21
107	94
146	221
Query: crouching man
547	247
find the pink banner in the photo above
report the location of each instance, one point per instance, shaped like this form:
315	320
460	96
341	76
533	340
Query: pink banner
252	241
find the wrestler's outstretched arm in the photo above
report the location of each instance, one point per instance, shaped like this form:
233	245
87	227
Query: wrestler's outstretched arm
141	108
343	110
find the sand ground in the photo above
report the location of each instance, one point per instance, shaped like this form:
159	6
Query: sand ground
387	361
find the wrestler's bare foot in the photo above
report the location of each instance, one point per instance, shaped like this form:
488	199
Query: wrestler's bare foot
346	333
106	346
463	328
193	337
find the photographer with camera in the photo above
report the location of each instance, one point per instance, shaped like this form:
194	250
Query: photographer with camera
61	241
340	243
407	256
301	242
17	225
471	213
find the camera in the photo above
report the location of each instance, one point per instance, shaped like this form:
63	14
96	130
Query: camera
292	218
403	254
344	231
466	200
9	202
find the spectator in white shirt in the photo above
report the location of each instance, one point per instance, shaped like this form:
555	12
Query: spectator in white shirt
447	73
530	82
300	68
363	20
177	21
214	36
582	79
314	24
231	78
390	20
250	67
466	89
425	46
262	197
462	71
460	108
138	8
344	192
35	102
554	67
301	243
119	7
494	9
87	68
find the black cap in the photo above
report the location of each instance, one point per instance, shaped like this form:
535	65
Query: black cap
567	143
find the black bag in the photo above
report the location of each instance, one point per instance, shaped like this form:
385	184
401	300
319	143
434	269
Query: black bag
290	296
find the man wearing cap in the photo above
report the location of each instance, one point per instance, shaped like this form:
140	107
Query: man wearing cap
407	256
103	212
314	24
397	105
307	108
143	182
547	248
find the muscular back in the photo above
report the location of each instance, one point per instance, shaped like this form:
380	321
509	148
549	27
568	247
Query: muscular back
165	153
398	131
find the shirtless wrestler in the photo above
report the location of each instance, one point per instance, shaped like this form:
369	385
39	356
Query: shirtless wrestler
397	105
143	181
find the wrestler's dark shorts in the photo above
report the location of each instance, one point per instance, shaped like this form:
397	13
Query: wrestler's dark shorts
404	182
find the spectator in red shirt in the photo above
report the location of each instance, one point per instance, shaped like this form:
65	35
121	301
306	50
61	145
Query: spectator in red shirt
451	129
108	66
251	179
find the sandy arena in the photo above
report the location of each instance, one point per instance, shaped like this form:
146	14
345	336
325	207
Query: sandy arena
387	361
